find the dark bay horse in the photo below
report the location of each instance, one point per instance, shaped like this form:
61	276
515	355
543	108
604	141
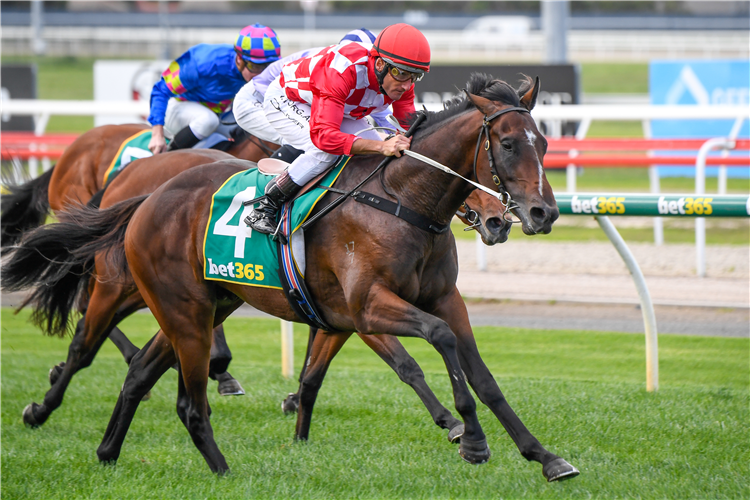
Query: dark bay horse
54	299
399	280
79	174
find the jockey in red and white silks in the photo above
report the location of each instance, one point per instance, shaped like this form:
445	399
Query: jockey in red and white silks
317	105
248	103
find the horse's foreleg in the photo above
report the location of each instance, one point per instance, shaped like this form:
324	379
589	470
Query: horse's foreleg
391	351
324	349
385	312
221	356
453	311
146	367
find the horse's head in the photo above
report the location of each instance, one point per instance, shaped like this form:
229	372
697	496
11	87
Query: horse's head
487	215
517	149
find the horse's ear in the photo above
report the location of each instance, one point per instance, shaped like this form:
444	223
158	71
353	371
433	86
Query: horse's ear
484	105
528	100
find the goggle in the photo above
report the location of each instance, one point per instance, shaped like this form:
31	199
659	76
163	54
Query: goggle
404	76
255	68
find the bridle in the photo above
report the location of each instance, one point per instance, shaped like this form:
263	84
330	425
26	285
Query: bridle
485	131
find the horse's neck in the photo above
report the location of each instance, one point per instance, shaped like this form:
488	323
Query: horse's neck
428	190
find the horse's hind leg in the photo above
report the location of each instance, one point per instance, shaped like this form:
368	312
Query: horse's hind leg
146	367
91	332
221	356
291	402
324	349
453	311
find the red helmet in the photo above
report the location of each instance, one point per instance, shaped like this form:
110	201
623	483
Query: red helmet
404	47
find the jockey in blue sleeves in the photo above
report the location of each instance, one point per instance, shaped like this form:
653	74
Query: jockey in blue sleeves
200	85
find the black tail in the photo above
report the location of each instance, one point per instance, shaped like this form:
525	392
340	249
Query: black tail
56	261
24	207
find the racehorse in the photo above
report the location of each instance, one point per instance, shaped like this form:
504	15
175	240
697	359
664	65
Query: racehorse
400	281
54	300
79	174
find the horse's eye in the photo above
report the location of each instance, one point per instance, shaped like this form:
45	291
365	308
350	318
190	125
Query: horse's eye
507	146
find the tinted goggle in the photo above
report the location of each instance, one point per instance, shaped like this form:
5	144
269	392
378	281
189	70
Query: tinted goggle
255	68
400	75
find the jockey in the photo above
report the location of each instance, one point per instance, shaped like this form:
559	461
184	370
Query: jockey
318	103
200	84
248	104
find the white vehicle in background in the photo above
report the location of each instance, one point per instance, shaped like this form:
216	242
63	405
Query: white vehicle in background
497	30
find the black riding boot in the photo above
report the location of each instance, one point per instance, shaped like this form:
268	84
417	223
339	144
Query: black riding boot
184	139
279	190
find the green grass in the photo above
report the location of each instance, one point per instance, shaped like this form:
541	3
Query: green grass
581	394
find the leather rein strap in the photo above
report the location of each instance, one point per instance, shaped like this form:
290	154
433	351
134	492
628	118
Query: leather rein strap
400	211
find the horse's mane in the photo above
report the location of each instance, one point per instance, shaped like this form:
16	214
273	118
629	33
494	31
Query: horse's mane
483	85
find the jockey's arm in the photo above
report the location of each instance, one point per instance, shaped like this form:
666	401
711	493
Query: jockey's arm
160	95
391	147
325	132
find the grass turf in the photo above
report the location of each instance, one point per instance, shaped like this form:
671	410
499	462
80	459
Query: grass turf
582	395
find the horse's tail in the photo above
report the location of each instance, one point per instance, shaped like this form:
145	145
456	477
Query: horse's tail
23	207
56	261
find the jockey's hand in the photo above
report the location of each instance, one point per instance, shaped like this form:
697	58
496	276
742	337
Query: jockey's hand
396	144
157	144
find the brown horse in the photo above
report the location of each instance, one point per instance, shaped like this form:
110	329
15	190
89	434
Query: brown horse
401	281
54	300
79	174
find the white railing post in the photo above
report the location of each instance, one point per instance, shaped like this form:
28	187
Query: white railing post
287	349
647	307
700	190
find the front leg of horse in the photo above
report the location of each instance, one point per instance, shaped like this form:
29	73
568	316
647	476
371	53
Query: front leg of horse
146	367
453	311
387	313
393	353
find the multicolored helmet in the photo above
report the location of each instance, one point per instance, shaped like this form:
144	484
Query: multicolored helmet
361	35
404	47
258	44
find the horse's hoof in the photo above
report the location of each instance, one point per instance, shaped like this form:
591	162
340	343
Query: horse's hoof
474	452
454	436
146	396
55	372
28	416
231	388
558	470
290	404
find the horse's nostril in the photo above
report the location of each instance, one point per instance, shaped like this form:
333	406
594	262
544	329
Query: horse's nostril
493	224
537	214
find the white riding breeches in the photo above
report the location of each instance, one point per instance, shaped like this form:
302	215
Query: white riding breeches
180	114
291	120
250	115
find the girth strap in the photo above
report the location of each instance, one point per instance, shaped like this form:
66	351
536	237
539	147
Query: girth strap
400	211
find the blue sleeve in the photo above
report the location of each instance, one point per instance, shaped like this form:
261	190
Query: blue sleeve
160	96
